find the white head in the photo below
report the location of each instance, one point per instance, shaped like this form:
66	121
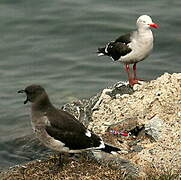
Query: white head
145	22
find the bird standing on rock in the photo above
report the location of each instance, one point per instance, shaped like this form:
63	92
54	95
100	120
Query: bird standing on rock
132	47
59	130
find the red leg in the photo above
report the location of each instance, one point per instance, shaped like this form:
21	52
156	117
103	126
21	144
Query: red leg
130	76
135	76
128	71
134	70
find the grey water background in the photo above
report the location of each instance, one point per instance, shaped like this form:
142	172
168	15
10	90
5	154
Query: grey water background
53	43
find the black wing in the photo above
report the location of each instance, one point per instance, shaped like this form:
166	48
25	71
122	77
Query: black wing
67	129
64	120
117	48
74	140
124	38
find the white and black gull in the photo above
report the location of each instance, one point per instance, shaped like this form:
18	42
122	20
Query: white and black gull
58	129
132	47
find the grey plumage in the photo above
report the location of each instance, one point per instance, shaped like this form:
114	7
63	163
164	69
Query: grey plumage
59	130
133	47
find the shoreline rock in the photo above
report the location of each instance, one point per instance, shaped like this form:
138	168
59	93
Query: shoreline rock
155	105
149	116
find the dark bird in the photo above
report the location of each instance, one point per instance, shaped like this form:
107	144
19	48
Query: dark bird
132	47
58	129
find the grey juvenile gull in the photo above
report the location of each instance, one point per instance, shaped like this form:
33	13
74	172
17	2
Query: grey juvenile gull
59	130
132	47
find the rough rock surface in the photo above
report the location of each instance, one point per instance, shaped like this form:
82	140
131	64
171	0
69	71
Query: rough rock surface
149	119
158	100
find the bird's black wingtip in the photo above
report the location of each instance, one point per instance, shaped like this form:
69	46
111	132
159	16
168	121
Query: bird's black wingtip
111	149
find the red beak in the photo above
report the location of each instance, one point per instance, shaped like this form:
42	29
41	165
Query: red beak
154	25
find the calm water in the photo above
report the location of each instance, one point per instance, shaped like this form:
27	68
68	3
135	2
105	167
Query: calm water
53	43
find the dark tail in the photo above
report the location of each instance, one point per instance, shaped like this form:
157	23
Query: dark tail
111	149
101	51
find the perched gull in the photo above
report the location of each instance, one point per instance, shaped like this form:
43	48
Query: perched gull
132	47
59	130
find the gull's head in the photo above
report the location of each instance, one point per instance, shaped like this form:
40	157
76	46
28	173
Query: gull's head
33	93
145	22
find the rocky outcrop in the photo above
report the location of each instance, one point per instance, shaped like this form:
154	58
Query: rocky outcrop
144	121
154	109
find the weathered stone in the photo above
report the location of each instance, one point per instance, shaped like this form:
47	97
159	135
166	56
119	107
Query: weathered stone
137	148
154	127
155	105
116	162
158	99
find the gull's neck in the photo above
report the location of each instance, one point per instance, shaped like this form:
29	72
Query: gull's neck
42	103
142	31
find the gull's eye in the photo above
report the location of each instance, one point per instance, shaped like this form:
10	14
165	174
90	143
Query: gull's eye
144	21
